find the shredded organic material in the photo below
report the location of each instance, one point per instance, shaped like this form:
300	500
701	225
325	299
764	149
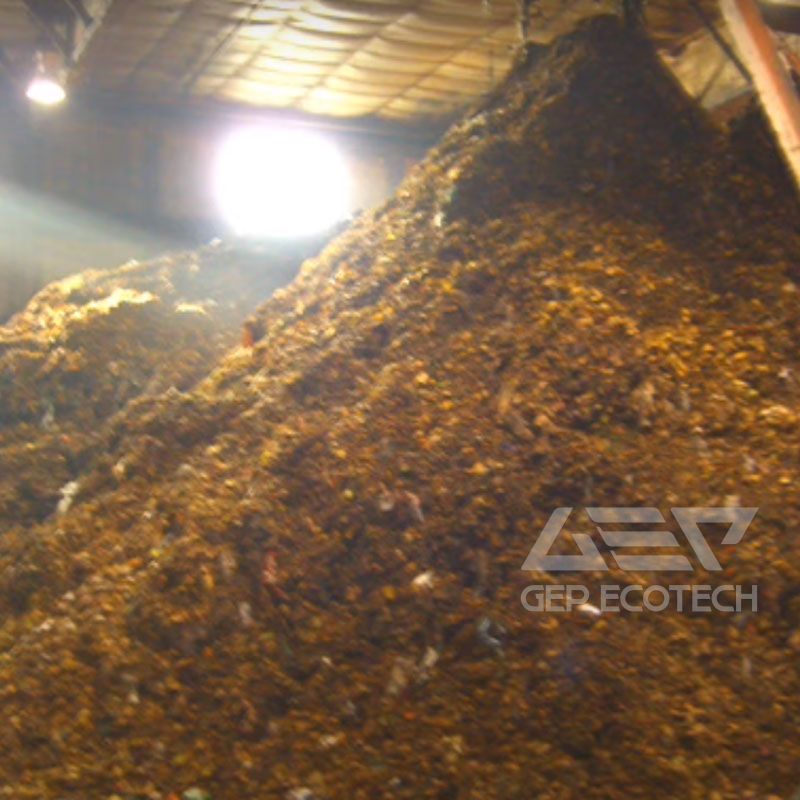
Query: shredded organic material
88	346
305	582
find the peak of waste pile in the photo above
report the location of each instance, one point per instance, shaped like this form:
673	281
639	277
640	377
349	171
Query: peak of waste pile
306	583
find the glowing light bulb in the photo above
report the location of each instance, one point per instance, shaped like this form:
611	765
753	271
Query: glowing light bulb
45	91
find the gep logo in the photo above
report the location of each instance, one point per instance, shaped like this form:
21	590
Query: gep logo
631	597
590	560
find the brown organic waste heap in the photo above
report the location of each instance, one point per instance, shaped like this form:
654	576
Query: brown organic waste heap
306	581
87	346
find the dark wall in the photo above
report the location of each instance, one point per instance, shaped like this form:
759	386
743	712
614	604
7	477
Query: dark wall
100	181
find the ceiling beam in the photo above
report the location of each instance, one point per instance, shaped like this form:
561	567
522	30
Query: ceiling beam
90	14
775	90
218	115
56	28
720	40
68	24
80	11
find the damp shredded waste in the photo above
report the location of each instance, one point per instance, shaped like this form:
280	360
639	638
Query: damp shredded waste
282	559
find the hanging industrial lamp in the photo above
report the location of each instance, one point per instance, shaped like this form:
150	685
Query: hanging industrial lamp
46	87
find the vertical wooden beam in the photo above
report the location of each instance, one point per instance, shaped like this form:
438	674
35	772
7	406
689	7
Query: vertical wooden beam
757	46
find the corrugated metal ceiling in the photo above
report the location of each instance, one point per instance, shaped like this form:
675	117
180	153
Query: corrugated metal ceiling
347	58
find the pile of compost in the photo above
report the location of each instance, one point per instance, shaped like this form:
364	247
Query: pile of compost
304	581
88	346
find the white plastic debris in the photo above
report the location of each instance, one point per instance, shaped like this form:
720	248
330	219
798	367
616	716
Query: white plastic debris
118	297
49	417
330	740
430	658
488	632
68	492
301	793
119	469
184	471
190	308
590	609
424	580
454	747
386	501
399	677
416	507
245	614
45	626
227	563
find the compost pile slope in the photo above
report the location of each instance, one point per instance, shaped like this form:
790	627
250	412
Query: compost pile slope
88	345
305	583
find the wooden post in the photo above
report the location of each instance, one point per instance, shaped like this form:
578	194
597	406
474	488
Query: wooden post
757	46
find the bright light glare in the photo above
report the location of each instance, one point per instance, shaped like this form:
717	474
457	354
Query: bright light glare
45	92
278	183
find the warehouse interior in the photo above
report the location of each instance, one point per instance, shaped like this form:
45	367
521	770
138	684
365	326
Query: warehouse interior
154	90
337	336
